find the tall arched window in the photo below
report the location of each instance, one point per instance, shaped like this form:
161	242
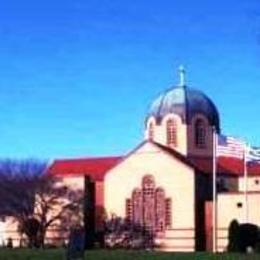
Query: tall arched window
200	133
148	202
149	207
137	207
171	132
151	131
160	209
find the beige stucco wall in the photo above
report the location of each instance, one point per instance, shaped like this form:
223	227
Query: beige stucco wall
9	230
74	182
253	183
228	210
175	177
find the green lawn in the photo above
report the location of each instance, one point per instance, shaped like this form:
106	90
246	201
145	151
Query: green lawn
26	254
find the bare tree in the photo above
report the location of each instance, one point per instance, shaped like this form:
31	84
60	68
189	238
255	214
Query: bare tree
56	205
30	195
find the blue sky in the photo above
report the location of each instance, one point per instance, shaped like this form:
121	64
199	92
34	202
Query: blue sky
77	77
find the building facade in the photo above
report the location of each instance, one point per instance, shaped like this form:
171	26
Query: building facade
164	184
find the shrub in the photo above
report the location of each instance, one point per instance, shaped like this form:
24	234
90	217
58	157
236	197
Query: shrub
233	236
242	236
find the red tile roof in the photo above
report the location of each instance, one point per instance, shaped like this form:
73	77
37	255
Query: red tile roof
236	166
94	167
97	167
227	166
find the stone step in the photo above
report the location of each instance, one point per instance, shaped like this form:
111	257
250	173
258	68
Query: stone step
176	233
174	249
175	243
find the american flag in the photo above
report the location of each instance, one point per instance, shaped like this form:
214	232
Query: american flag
253	154
229	146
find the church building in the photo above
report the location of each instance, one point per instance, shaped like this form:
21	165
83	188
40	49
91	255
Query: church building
165	183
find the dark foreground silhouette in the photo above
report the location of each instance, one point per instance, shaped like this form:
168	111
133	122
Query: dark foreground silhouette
243	236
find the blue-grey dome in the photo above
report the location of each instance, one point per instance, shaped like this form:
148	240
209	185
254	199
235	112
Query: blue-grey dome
186	102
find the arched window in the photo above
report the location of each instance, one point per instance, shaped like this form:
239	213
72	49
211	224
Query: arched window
137	207
160	209
129	210
148	184
200	133
149	207
168	213
151	131
148	202
171	132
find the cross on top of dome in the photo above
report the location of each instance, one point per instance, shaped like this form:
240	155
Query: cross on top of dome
182	73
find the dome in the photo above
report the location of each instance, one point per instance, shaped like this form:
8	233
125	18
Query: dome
185	102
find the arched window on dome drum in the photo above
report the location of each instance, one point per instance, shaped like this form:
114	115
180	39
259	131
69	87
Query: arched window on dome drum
151	131
200	133
171	133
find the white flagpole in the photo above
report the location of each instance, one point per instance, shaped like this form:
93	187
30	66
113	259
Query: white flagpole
214	184
246	183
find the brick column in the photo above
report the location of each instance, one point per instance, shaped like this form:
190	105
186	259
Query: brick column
89	212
